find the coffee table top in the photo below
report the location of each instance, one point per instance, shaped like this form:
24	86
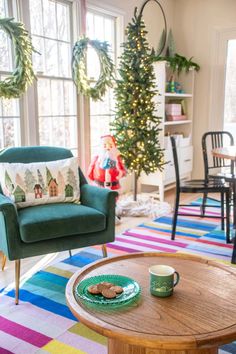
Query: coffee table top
201	312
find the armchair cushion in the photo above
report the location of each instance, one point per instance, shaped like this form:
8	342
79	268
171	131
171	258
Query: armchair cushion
37	183
44	222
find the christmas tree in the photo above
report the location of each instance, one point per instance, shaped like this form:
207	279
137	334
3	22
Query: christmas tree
71	178
19	181
8	182
29	181
41	182
136	125
48	175
61	182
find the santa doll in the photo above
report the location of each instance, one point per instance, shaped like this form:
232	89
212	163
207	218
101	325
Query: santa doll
107	168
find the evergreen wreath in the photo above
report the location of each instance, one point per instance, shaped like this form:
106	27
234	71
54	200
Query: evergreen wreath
79	68
22	76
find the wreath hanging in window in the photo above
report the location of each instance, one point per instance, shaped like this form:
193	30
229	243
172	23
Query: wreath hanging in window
80	77
22	76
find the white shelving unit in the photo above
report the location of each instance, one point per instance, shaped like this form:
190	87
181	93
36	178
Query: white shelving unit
166	179
187	121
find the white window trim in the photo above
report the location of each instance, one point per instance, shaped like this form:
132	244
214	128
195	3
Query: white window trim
220	37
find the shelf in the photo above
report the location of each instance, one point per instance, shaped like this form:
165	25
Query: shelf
178	95
176	122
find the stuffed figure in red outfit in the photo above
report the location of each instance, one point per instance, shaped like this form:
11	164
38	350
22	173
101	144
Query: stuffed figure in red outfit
107	168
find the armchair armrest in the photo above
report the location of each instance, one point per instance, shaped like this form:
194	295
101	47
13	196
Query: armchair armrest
8	208
9	229
98	198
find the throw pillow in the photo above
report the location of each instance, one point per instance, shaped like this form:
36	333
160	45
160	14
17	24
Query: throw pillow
41	182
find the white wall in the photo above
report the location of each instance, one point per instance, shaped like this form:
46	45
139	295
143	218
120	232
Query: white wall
195	22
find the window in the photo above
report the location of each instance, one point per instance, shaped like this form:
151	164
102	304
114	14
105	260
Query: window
50	104
102	27
230	89
51	30
9	109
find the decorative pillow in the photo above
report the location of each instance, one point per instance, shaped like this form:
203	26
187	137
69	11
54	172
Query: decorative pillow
41	182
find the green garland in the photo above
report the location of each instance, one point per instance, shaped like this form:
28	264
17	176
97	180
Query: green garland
79	68
16	84
179	63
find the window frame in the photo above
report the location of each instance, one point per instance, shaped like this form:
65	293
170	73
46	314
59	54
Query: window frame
13	9
31	131
28	103
220	37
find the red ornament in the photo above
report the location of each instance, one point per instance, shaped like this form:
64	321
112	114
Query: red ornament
107	168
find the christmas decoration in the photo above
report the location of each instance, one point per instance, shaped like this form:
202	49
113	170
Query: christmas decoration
144	206
29	181
16	84
161	44
79	68
170	45
136	125
107	168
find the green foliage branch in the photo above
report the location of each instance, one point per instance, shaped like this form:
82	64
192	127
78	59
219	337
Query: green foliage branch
179	63
176	62
79	68
136	126
23	75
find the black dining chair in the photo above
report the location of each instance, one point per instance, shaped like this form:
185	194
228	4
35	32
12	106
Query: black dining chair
200	186
215	167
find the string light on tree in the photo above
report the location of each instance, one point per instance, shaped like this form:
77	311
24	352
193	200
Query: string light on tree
135	109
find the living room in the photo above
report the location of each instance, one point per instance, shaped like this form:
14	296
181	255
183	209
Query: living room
117	154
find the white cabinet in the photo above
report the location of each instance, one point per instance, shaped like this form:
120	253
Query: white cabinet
181	129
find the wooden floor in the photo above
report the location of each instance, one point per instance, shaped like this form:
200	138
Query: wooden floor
33	264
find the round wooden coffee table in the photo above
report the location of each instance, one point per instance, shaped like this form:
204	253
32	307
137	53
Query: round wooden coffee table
198	318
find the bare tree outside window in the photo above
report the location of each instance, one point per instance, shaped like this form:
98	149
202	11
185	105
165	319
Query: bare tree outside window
51	23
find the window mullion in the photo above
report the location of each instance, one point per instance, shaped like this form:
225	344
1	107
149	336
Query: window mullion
83	125
29	101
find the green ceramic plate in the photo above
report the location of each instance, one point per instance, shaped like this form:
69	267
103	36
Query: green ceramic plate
131	289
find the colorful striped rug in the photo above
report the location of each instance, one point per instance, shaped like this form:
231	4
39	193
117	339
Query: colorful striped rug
42	323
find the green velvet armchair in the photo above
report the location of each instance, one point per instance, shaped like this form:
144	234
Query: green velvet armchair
53	227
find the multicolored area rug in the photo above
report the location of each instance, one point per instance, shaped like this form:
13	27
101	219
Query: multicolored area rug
42	323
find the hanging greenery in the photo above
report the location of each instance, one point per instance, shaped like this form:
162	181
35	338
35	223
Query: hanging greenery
79	68
179	63
22	76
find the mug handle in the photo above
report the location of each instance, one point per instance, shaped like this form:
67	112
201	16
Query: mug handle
177	278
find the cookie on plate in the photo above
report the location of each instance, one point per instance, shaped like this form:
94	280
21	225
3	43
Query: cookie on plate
118	289
104	285
108	293
93	289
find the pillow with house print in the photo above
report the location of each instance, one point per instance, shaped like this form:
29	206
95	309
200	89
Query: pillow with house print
41	182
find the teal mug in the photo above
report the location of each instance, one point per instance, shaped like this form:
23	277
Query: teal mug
163	279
